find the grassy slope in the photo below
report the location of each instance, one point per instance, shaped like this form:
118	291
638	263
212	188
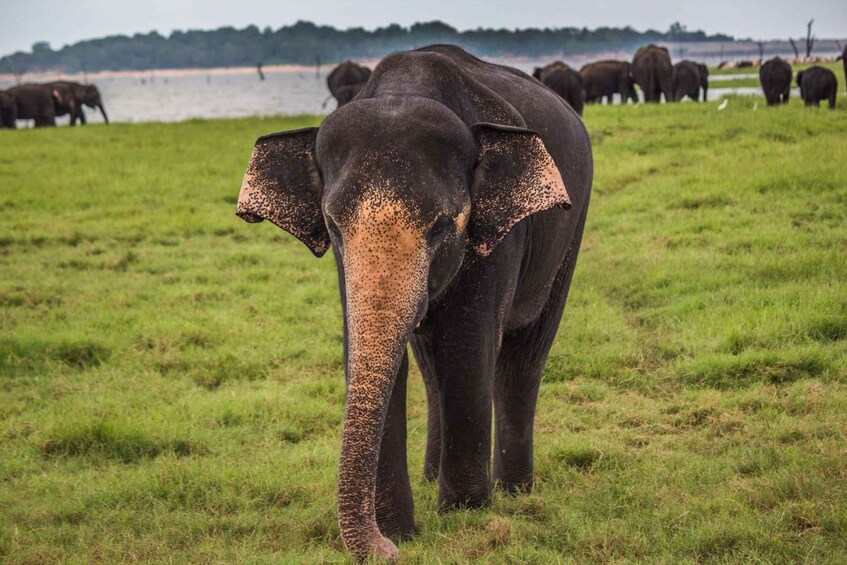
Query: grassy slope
170	377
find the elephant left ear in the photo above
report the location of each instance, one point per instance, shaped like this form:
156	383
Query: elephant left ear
515	177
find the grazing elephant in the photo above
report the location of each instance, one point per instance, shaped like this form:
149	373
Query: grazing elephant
564	81
817	83
8	109
453	193
687	80
346	81
775	77
37	102
78	95
606	78
651	69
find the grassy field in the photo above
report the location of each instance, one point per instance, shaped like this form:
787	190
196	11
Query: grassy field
171	382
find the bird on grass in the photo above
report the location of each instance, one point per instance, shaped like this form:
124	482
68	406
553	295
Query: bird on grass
724	104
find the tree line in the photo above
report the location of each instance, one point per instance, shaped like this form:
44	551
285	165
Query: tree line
307	44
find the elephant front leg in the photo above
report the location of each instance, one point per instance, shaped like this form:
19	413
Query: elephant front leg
422	348
395	511
465	373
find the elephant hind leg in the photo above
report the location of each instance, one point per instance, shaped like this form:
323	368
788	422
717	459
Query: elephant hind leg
520	365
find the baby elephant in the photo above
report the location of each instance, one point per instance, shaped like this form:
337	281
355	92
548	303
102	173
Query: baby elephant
817	83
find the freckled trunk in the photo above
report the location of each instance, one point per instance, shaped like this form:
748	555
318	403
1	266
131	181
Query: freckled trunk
382	301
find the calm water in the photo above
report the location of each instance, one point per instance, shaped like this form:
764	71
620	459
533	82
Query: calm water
223	94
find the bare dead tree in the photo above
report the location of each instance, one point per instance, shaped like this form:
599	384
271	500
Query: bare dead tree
810	40
794	46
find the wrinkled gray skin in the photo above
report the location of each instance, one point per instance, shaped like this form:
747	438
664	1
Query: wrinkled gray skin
817	83
603	79
564	81
453	194
8	109
651	69
704	80
78	95
687	80
37	102
346	81
775	78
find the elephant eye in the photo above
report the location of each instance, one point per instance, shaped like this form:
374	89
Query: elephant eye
439	229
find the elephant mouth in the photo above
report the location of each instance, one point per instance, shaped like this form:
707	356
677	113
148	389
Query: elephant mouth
250	217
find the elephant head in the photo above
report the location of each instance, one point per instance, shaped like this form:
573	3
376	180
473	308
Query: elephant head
89	95
403	192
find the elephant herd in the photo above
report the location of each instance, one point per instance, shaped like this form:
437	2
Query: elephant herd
651	69
43	103
816	83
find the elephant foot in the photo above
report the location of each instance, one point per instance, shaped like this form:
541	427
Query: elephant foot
516	487
464	501
397	528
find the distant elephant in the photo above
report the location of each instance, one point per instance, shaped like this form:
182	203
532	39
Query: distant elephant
80	94
844	62
453	194
651	69
687	80
564	81
8	109
37	102
817	83
346	81
775	77
607	78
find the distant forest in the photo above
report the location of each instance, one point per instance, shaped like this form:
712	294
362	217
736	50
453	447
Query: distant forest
306	43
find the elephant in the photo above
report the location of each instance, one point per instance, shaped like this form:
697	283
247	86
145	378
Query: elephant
37	102
453	194
687	80
775	77
651	69
346	81
79	94
606	78
817	83
564	81
8	109
844	62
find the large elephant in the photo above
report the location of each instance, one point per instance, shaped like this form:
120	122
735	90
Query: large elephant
346	81
37	102
78	95
564	81
453	193
687	80
8	109
607	78
775	77
817	83
651	69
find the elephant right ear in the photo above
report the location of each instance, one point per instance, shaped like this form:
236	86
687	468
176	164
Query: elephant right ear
282	184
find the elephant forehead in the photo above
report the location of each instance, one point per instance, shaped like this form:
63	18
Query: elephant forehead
384	223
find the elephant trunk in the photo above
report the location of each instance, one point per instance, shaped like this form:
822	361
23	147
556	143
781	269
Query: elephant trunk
385	283
103	111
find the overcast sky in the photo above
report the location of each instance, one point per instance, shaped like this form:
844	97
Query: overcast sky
23	22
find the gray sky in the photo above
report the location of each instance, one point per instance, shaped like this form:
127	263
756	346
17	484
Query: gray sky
23	22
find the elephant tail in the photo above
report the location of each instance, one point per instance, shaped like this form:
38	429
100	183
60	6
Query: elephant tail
328	98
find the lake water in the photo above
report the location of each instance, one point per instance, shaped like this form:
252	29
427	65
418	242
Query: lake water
164	96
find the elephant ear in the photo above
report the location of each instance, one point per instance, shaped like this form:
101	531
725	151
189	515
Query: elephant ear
515	177
282	184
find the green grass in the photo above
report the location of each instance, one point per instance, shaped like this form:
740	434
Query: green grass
171	382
